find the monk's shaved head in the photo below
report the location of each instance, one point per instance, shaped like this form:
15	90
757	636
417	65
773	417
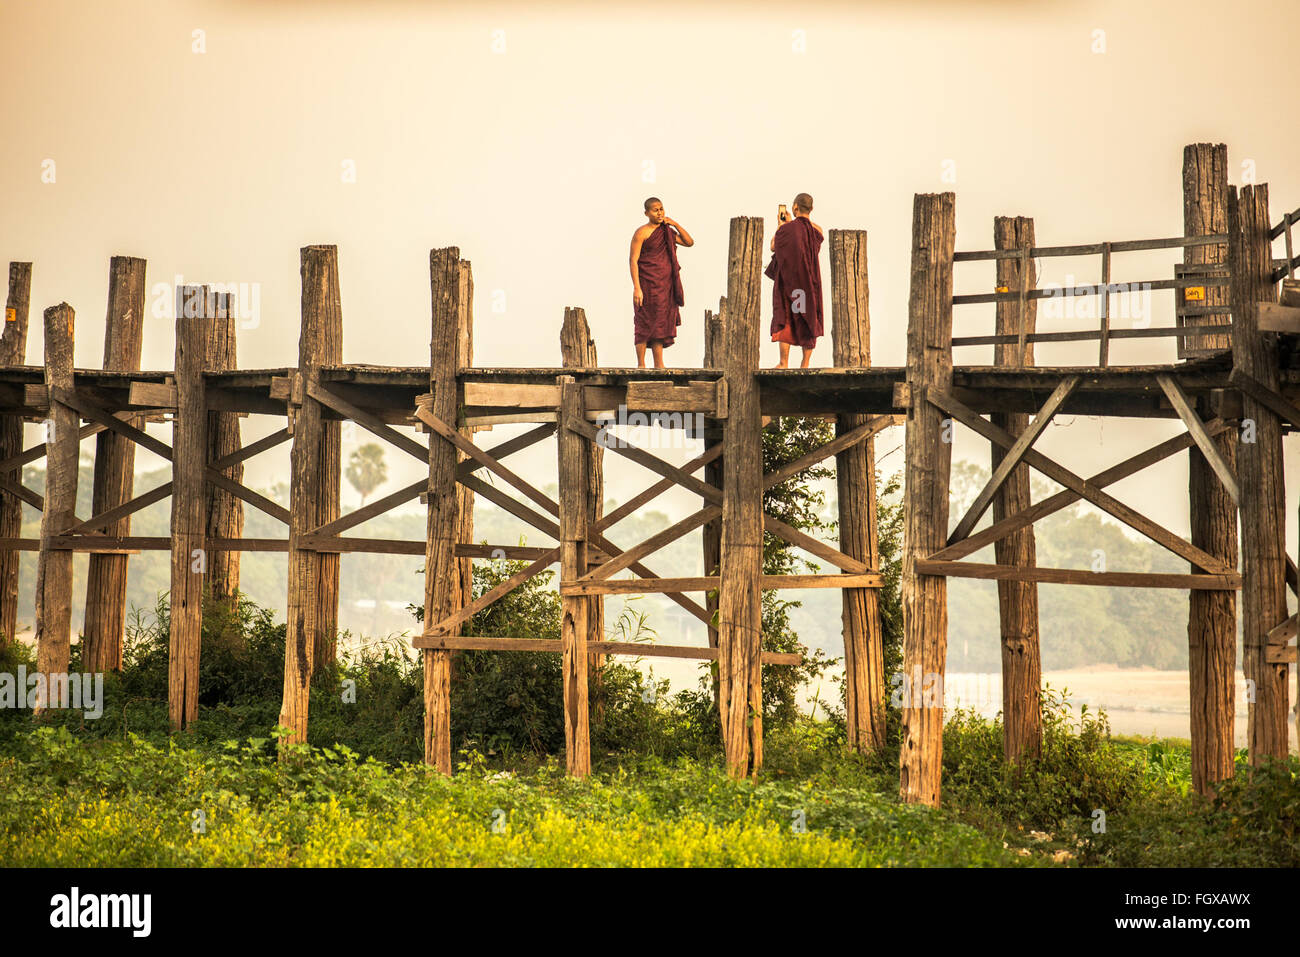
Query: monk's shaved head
651	201
804	202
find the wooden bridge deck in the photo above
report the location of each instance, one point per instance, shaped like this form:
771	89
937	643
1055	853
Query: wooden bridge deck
390	391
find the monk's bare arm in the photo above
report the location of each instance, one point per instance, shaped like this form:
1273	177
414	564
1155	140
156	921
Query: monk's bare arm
638	238
682	237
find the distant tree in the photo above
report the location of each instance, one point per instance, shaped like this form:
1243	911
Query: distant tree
367	469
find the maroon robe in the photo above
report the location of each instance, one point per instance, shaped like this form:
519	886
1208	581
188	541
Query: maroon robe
661	288
797	283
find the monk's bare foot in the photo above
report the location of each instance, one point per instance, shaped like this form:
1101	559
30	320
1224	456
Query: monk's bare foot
781	365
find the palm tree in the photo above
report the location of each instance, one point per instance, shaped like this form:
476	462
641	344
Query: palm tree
367	469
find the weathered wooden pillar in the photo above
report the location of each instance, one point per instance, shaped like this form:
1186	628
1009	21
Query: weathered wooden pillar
225	512
1260	472
114	472
54	565
740	606
1212	615
189	545
574	456
308	613
929	459
714	348
855	478
13	352
441	590
464	592
578	350
327	322
1022	665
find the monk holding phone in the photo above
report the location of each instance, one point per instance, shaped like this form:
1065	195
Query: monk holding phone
656	282
796	276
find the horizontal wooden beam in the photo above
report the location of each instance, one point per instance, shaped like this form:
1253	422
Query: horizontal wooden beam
639	649
1072	576
1280	654
508	395
337	544
846	580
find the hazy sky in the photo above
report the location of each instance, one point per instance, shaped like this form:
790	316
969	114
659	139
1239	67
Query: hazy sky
529	139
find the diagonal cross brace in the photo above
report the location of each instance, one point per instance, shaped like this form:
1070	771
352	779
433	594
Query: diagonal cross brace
1196	428
1023	444
1066	497
1063	476
714	497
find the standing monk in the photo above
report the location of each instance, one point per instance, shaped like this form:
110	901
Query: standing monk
797	283
656	282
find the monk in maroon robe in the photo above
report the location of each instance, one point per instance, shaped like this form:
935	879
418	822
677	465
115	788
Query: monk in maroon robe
656	282
796	276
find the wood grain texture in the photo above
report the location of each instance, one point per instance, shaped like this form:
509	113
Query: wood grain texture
1205	213
855	477
578	351
1260	473
442	592
573	462
114	475
225	512
712	535
54	567
13	352
188	519
1022	722
326	335
929	459
1211	615
306	614
740	624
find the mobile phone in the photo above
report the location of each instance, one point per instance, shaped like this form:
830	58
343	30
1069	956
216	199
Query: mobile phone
782	214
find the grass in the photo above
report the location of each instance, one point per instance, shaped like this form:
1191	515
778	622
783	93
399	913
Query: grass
124	791
132	803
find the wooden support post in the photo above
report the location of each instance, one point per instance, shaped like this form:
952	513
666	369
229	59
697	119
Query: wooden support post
573	457
54	566
188	547
13	352
327	335
441	590
855	476
464	588
1211	615
740	608
578	350
714	346
1260	472
114	472
929	460
225	512
306	615
1022	670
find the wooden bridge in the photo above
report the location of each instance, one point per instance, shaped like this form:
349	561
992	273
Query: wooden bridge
1236	391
